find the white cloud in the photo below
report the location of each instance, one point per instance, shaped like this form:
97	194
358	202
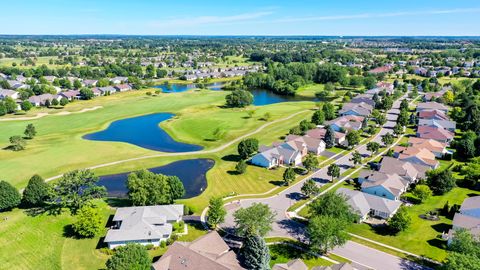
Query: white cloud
209	20
377	15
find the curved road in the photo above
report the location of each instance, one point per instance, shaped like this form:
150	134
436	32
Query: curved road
286	227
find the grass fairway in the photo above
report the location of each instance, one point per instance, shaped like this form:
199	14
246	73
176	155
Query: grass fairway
423	236
59	147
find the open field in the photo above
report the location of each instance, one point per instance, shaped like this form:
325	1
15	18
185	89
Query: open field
59	147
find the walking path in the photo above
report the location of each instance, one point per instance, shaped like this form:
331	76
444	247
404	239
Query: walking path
211	151
40	115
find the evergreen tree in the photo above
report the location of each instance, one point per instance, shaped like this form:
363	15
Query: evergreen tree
9	196
329	137
318	117
289	175
255	253
241	167
36	192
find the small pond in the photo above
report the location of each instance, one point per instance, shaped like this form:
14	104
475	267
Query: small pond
143	131
191	172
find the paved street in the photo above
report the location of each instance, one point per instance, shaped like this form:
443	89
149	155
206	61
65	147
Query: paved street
285	227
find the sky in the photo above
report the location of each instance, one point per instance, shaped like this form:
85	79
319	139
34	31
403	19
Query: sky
245	17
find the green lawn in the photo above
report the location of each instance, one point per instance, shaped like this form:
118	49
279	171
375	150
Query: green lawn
59	146
281	253
422	238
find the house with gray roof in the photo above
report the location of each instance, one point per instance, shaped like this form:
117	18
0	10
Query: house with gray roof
410	171
422	106
296	264
359	109
445	124
143	224
4	93
387	185
107	90
468	218
366	205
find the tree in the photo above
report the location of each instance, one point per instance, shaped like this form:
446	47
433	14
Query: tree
256	219
466	145
77	84
329	137
246	148
356	158
326	232
17	143
3	109
130	257
403	118
387	139
398	129
36	192
47	103
148	188
63	102
89	221
9	196
318	117
216	212
353	138
309	188
266	117
404	105
30	131
373	147
448	97
400	221
289	176
460	261
333	171
379	117
329	111
26	105
464	252
472	172
255	252
241	166
239	98
55	102
76	188
440	182
86	93
332	204
10	105
310	162
422	192
305	126
250	113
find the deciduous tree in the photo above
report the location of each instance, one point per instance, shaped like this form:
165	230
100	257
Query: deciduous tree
131	256
256	219
216	212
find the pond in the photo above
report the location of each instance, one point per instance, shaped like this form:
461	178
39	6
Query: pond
191	172
260	97
143	131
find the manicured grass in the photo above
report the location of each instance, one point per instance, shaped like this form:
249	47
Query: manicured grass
281	253
423	236
59	146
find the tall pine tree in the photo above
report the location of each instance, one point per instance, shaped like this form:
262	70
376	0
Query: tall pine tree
256	253
329	137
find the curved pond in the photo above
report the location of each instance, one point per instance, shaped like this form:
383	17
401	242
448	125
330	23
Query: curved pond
191	172
260	97
143	131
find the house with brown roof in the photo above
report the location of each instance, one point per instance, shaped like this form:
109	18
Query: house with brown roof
435	133
416	155
439	149
433	114
410	171
296	264
208	252
319	133
446	124
359	109
314	146
346	123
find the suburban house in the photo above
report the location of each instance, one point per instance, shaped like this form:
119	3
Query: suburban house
90	82
410	171
389	186
40	100
346	123
319	133
468	218
70	94
207	252
107	90
446	124
366	205
422	106
382	69
433	114
439	149
274	156
314	146
4	93
359	109
118	80
143	224
365	98
431	96
123	87
296	264
416	155
435	133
